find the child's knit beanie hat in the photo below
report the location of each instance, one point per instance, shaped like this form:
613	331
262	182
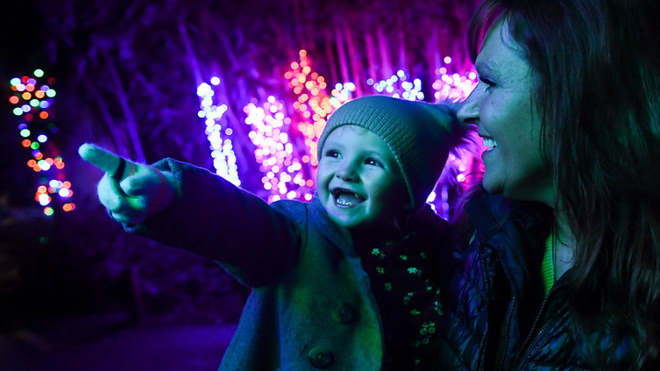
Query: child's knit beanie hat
420	136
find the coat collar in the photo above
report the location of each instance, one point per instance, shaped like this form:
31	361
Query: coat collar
337	235
515	230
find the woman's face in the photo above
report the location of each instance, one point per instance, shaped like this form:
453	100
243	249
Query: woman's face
502	108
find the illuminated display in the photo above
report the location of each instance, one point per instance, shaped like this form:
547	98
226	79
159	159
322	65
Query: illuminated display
222	150
31	98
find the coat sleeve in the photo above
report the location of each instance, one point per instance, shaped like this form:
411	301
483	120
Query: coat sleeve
214	219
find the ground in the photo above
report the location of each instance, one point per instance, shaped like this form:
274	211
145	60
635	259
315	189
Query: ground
104	343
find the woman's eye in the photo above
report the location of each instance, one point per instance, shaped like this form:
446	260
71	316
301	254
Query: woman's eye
489	83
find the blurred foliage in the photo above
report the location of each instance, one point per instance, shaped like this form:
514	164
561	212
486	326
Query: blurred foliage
127	72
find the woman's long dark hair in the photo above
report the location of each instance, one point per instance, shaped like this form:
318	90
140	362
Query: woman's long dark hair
597	66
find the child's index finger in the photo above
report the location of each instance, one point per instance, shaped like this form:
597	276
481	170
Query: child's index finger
99	157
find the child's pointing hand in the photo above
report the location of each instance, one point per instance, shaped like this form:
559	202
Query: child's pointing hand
130	191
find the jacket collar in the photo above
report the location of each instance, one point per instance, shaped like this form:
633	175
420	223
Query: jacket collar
515	230
337	235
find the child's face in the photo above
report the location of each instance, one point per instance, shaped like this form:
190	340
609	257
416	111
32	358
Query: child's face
359	181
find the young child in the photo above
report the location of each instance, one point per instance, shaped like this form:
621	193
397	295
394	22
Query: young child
346	281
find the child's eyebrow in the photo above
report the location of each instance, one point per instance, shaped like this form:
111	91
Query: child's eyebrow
333	144
374	153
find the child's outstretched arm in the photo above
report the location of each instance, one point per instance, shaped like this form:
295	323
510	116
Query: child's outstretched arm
187	207
130	191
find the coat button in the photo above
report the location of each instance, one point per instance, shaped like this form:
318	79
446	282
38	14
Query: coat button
321	357
344	313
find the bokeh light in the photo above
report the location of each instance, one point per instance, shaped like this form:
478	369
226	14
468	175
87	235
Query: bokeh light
284	175
31	100
222	149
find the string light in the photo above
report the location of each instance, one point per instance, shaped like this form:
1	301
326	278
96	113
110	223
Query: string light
31	98
313	104
453	86
341	94
398	86
222	150
284	174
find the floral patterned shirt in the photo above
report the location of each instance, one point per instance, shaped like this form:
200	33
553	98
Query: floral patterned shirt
404	283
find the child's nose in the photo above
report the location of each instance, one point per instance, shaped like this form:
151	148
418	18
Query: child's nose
347	174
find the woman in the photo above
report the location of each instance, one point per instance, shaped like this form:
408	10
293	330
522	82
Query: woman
562	268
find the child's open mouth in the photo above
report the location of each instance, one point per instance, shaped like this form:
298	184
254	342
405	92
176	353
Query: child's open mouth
346	198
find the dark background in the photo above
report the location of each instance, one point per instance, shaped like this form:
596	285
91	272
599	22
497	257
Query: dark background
134	65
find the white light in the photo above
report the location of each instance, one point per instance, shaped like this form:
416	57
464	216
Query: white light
204	89
44	199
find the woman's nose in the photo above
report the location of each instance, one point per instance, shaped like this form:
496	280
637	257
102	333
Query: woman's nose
468	111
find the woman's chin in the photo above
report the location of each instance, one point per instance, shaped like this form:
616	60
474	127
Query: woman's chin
491	185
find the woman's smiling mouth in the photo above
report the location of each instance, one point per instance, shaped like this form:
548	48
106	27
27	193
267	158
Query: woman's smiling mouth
489	143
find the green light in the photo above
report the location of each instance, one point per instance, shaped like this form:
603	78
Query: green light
48	211
34	103
38	72
43	239
18	111
51	93
34	145
25	133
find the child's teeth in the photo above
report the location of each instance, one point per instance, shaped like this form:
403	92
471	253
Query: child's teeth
348	199
344	202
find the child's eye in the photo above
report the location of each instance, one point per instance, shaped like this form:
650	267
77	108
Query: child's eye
374	162
332	153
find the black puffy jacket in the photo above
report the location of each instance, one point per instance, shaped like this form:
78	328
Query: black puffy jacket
499	317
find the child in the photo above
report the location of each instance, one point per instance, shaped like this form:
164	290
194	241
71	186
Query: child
345	281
